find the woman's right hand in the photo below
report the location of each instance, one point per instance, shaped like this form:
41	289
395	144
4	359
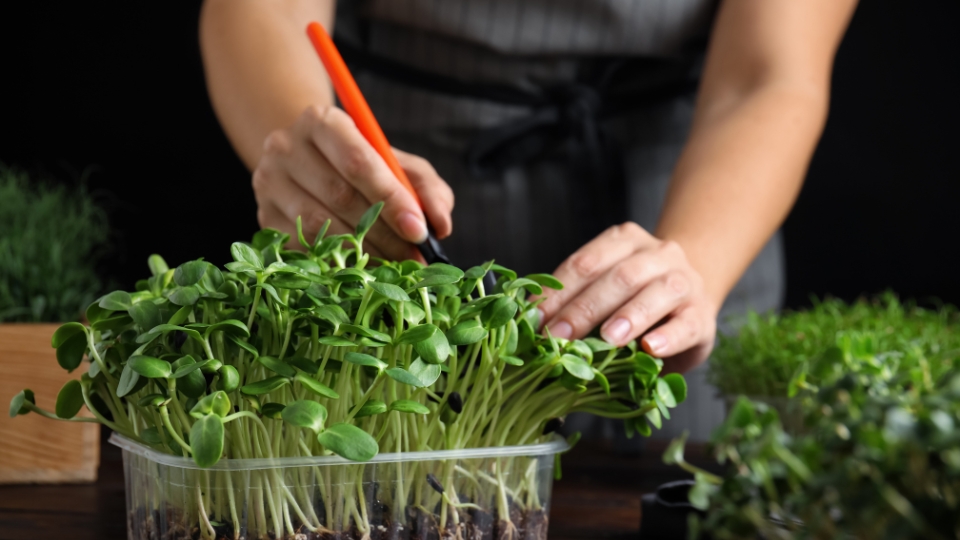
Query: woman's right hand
323	168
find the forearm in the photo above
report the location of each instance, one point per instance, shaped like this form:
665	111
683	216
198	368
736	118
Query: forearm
260	69
738	178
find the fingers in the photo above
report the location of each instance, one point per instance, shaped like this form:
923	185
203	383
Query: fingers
291	201
657	300
314	174
604	295
592	261
436	195
688	336
338	139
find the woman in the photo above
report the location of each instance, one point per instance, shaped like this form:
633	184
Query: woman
568	130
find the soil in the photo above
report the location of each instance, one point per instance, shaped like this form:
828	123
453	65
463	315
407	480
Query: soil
170	524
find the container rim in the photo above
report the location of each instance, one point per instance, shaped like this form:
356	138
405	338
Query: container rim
555	446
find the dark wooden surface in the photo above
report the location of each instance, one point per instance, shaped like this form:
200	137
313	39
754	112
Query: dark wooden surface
598	498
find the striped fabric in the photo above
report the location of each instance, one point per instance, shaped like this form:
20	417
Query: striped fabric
530	216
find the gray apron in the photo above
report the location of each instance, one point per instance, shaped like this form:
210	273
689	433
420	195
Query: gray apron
530	213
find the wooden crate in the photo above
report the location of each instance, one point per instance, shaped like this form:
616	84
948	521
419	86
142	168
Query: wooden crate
34	449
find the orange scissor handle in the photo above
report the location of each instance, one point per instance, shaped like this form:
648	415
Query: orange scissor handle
354	103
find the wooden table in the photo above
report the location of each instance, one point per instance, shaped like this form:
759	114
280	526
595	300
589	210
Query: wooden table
598	498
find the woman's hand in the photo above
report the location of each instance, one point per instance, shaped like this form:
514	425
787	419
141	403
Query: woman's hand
323	168
630	281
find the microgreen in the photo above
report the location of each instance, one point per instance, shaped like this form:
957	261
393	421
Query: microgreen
51	237
287	353
878	455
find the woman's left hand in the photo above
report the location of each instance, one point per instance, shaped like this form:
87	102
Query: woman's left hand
630	281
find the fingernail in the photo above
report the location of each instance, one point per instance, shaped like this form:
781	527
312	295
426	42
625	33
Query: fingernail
539	317
562	330
412	227
615	331
656	342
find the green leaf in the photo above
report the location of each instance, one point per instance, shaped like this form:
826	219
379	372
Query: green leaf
316	386
157	265
291	282
231	327
265	386
367	332
673	455
273	410
128	380
475	272
362	359
436	280
180	317
578	367
530	285
466	333
151	400
416	334
150	367
366	222
216	403
403	376
245	346
390	291
277	366
441	269
653	415
352	275
189	273
597	345
677	385
699	495
506	272
602	380
426	373
350	442
371	408
16	404
229	379
409	406
187	367
435	349
116	301
267	237
665	392
70	352
499	312
184	296
304	364
336	341
334	315
69	400
546	280
512	360
244	253
305	414
644	363
145	314
206	440
272	292
65	332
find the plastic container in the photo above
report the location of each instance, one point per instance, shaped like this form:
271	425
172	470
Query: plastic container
498	493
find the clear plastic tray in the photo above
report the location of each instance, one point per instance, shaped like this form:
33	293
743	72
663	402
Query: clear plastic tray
479	493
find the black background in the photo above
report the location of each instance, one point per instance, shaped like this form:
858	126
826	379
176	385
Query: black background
116	89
